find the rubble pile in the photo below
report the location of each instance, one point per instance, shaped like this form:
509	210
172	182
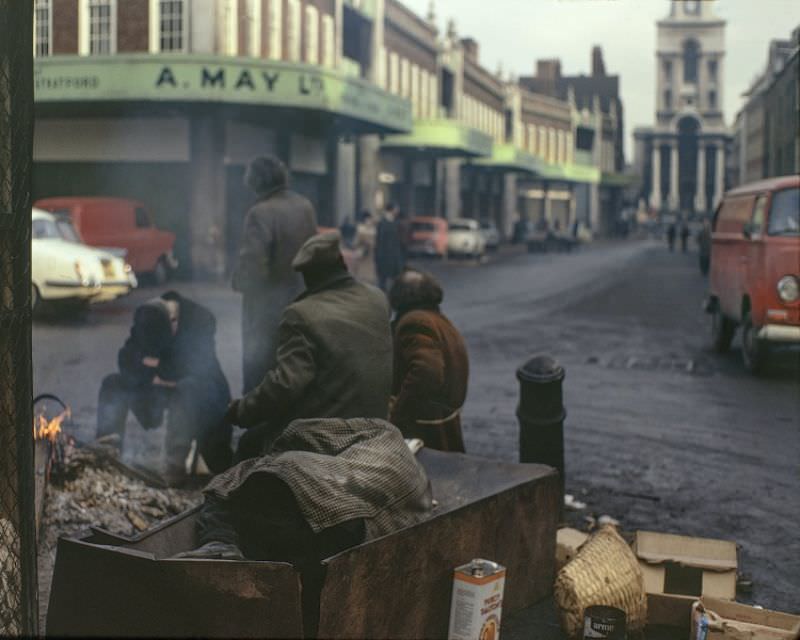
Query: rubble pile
88	490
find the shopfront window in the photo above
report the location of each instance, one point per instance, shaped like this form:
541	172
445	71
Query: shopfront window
102	26
172	21
43	29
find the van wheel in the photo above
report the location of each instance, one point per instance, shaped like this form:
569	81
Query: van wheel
722	330
754	351
161	272
36	298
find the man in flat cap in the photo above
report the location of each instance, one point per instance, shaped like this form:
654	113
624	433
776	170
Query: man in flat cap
274	229
334	355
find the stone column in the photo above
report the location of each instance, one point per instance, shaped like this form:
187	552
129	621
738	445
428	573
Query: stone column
655	180
674	178
700	189
719	181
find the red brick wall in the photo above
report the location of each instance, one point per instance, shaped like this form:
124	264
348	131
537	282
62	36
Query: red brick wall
65	26
133	29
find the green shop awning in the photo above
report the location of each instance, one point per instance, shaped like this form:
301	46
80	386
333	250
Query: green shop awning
188	78
442	138
608	179
568	172
507	157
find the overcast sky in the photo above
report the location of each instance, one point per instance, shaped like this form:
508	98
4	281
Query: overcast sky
518	32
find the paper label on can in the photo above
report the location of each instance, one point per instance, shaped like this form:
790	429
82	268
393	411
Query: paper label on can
594	628
476	607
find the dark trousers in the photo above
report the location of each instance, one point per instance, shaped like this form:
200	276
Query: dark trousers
192	413
263	519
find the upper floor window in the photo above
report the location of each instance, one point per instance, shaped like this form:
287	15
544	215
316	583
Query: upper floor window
691	55
668	99
100	31
43	28
712	99
171	25
712	70
667	70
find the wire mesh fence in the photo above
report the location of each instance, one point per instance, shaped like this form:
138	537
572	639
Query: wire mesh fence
18	603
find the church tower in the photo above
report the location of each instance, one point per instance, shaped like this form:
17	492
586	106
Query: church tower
685	164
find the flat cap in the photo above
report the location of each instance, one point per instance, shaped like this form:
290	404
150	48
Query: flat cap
318	251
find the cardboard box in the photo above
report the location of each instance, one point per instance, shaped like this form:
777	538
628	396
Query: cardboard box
679	569
714	619
568	541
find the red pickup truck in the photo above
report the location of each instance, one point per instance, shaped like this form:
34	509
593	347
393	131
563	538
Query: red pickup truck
119	222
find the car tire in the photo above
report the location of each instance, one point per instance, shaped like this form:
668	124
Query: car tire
36	299
161	272
754	351
722	331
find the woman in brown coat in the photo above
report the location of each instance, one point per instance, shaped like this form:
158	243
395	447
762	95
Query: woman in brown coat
431	367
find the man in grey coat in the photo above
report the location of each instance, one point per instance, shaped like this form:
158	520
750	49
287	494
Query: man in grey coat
274	229
334	357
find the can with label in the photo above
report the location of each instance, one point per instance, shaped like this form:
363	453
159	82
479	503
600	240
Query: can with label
604	622
477	601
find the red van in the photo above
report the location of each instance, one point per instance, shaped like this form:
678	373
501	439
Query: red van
755	269
119	222
427	236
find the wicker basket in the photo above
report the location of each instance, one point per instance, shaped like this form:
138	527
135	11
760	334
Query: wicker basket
604	572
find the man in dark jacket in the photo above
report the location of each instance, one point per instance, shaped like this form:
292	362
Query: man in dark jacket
431	366
334	352
169	363
389	249
274	229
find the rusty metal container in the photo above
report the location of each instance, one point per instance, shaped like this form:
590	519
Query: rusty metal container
397	586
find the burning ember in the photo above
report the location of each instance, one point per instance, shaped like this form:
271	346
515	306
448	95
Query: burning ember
49	429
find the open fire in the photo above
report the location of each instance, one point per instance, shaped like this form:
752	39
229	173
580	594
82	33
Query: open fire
49	429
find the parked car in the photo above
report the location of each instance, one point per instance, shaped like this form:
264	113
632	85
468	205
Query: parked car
491	234
465	238
755	269
427	236
65	269
120	222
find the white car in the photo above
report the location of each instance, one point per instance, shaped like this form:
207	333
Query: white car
63	268
465	238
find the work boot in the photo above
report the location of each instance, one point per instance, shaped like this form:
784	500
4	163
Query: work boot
214	550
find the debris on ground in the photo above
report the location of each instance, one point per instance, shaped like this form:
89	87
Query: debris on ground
571	503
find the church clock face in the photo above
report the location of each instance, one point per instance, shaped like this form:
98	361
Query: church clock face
691	6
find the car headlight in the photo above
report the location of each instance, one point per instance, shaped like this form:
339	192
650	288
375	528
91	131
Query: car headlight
127	268
788	289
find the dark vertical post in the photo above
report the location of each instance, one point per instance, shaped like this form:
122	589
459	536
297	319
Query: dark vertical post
541	413
18	584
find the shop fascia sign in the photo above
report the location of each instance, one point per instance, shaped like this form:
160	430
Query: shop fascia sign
215	79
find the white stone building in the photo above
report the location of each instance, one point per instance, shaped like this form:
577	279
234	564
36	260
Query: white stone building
682	158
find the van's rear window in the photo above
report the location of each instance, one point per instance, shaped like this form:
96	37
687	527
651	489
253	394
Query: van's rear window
423	226
784	217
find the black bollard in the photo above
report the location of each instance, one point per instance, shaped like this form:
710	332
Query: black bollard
541	414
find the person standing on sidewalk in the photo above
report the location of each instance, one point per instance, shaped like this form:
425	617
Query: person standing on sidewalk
274	230
671	233
431	366
684	236
389	250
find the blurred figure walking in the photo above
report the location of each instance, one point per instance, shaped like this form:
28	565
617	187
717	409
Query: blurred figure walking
704	246
671	233
431	366
364	245
389	251
274	230
684	236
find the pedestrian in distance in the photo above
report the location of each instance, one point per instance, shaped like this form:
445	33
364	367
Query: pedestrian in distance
671	233
704	246
389	250
275	228
431	365
364	245
334	356
169	364
684	236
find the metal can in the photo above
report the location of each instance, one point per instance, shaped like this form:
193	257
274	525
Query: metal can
477	601
608	623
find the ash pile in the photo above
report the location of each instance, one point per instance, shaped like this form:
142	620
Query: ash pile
90	488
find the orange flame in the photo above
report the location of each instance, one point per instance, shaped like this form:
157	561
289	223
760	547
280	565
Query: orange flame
44	428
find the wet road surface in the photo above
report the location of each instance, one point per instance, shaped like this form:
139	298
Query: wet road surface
661	433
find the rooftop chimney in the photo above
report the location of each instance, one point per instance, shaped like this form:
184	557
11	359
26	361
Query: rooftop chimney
548	69
598	67
470	48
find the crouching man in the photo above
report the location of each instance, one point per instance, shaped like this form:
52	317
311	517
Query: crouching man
326	485
169	363
431	366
